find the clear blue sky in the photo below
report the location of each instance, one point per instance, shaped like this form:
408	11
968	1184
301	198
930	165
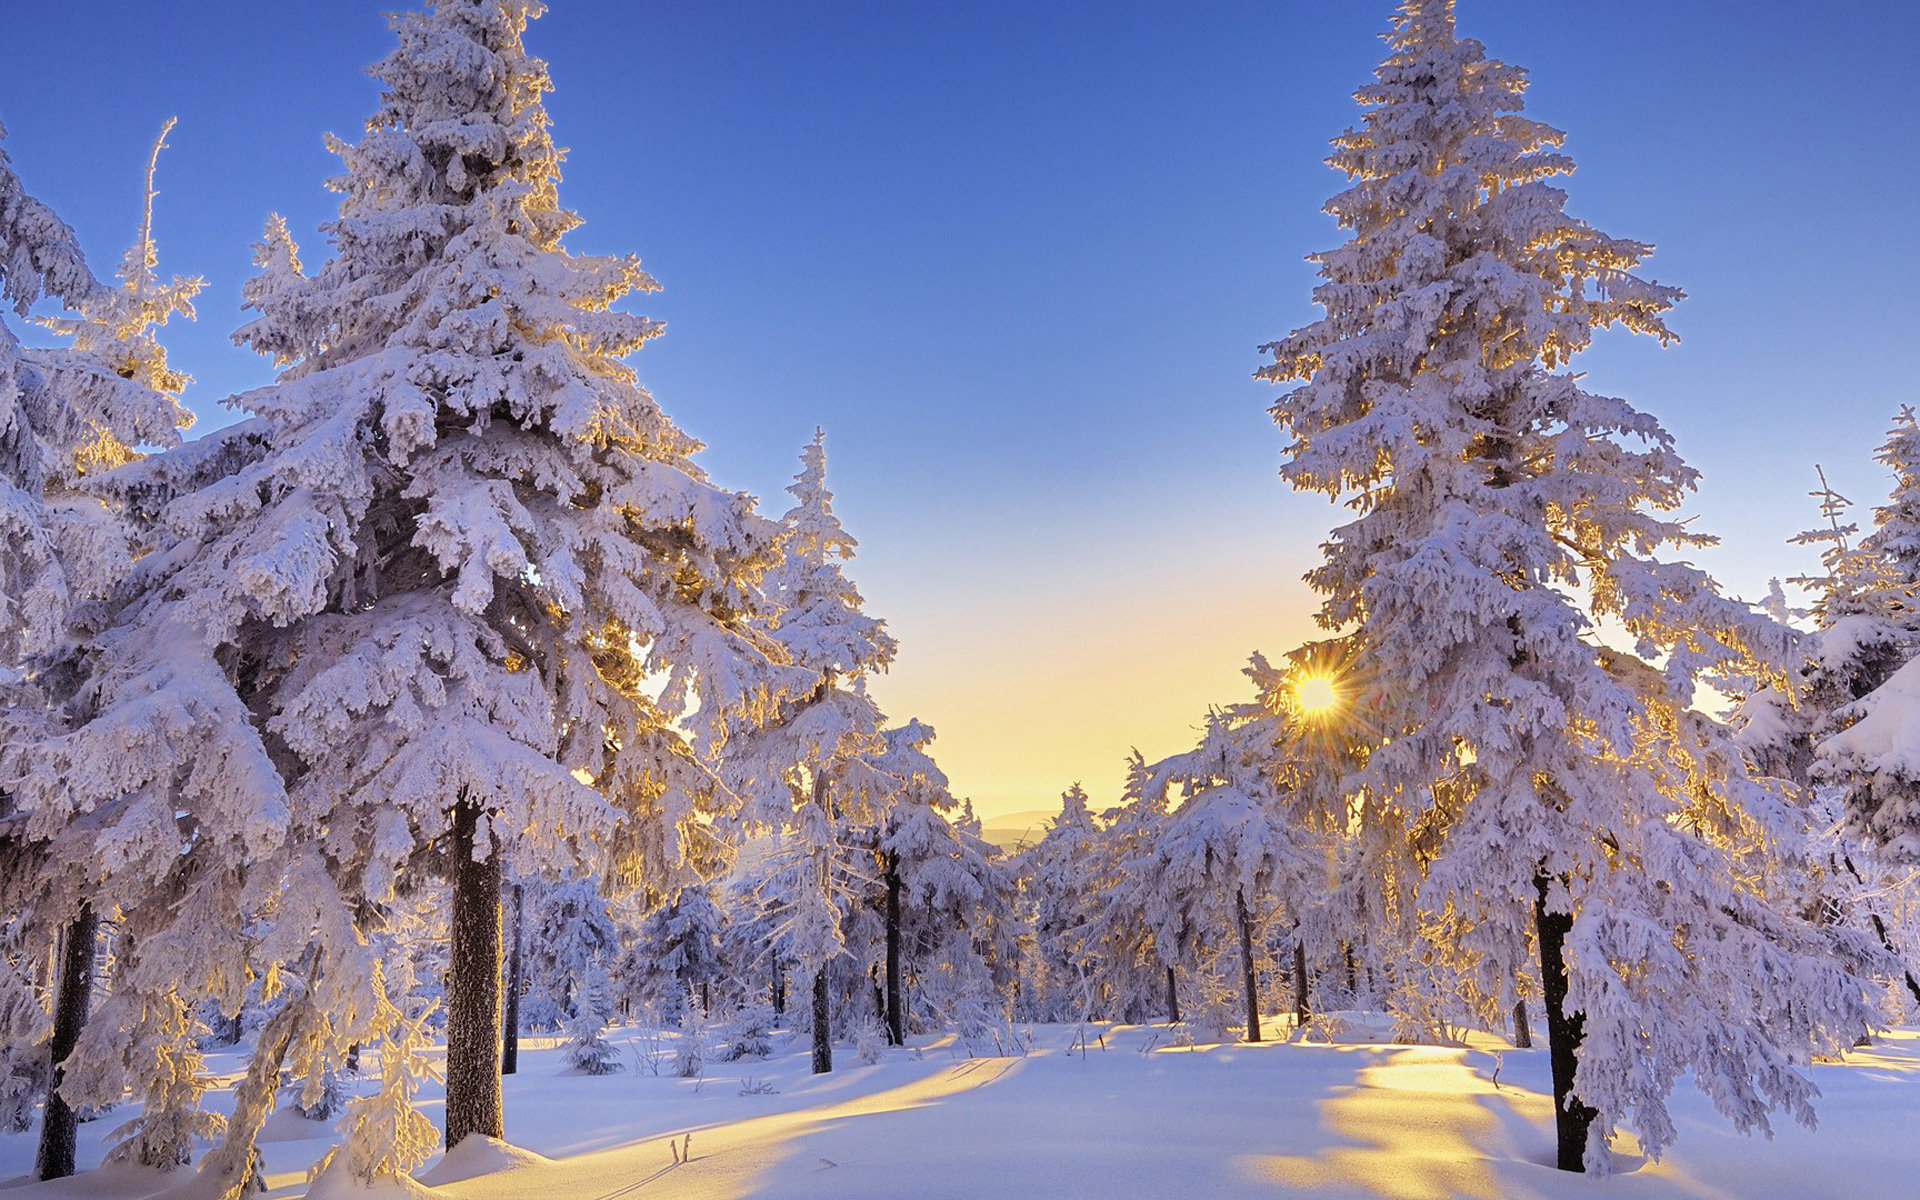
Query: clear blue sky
1016	259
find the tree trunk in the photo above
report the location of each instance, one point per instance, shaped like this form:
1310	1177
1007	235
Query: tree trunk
1246	965
1353	977
1572	1119
510	1030
473	986
822	1028
706	998
1522	1031
896	1021
1880	929
1173	1000
778	986
59	1125
1302	1011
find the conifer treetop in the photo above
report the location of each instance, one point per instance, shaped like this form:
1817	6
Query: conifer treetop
821	622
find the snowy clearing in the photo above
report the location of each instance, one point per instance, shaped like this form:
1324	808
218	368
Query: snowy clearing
1134	1116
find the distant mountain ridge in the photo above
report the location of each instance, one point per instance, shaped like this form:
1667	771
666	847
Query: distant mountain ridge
1013	831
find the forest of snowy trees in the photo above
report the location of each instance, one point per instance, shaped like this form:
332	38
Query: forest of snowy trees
444	698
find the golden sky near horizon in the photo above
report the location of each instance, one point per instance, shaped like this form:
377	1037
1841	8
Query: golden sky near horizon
1030	693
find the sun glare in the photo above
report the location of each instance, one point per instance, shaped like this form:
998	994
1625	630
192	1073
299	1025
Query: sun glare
1316	695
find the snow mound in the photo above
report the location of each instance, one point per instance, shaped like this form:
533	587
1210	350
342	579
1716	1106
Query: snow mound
117	1182
477	1155
287	1125
337	1183
1350	1027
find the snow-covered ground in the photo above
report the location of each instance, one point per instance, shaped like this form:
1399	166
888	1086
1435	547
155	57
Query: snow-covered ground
1132	1116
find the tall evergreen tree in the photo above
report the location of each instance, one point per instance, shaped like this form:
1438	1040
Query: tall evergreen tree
1053	878
809	769
471	597
68	417
945	894
1230	850
1534	781
1132	975
1864	746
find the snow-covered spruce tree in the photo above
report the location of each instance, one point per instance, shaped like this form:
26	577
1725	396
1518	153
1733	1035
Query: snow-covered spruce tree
474	566
676	952
1229	853
1866	623
1896	524
1131	978
808	769
67	415
1052	875
518	538
944	892
71	412
748	950
1529	778
570	946
1865	628
1864	748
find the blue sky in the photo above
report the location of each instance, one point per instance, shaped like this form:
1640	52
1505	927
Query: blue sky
1016	258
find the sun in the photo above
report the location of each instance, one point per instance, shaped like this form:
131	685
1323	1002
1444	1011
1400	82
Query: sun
1316	695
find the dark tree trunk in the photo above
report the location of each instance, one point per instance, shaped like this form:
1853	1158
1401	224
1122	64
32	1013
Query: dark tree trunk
1522	1031
1302	1011
59	1124
510	1030
779	989
1173	1000
1353	977
473	986
1572	1119
706	998
822	1028
896	1020
1246	965
229	1029
353	1059
1880	928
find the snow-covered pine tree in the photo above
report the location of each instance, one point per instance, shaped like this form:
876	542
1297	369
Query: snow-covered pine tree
1865	626
1896	524
943	890
1864	749
473	566
1514	759
676	952
572	943
748	945
808	769
68	414
1230	853
1131	978
1053	874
